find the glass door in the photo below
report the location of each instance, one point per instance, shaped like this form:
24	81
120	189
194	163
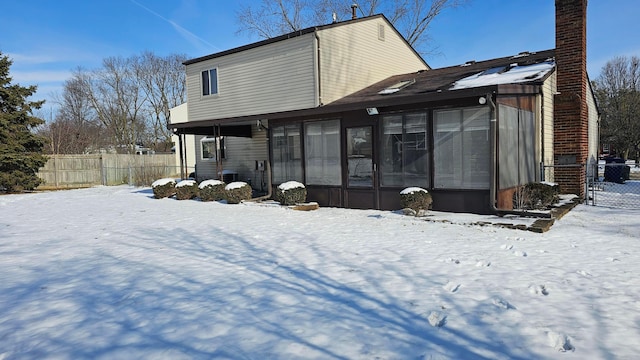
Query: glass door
360	157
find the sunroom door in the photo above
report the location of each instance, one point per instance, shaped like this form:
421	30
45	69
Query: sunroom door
361	168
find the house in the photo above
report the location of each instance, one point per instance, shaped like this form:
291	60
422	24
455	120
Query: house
351	111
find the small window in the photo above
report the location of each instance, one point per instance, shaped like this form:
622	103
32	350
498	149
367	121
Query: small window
210	82
211	147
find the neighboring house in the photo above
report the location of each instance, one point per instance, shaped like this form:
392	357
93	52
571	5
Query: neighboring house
356	135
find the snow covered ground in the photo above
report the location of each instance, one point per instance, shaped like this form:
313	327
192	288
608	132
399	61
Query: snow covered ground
111	273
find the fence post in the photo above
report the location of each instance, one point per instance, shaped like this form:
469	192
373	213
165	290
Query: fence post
103	174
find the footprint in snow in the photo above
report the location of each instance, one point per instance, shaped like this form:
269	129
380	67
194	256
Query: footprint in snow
520	253
584	273
437	319
501	303
506	247
483	263
538	290
451	287
560	342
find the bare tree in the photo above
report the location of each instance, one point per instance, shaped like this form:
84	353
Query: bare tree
115	96
412	18
618	94
162	80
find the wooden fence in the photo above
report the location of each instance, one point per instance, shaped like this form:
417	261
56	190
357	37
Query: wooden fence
74	171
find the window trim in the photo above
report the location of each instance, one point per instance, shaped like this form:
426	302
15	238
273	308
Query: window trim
218	145
208	91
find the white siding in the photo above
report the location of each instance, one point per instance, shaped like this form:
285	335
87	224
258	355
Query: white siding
241	155
270	78
353	57
594	119
548	92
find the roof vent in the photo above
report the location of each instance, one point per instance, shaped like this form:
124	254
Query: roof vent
469	63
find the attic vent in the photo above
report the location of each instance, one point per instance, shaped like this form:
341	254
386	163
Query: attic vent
396	87
469	63
381	32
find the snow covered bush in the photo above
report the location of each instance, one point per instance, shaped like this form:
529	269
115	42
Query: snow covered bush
536	196
163	188
291	193
237	191
416	199
186	189
212	190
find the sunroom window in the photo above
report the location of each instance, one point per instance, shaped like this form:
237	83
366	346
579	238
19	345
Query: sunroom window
287	153
461	148
405	160
322	153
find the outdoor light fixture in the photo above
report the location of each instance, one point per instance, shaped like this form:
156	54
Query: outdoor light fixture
372	111
482	100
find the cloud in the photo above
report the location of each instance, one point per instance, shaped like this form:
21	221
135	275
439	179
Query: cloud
40	76
186	34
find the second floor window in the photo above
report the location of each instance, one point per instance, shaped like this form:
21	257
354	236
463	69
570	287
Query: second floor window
210	82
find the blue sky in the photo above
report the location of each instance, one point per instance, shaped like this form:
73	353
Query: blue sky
47	39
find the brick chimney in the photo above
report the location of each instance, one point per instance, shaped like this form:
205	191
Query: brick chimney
571	140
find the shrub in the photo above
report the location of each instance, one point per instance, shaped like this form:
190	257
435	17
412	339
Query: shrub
416	199
291	193
186	189
212	190
536	196
163	188
237	191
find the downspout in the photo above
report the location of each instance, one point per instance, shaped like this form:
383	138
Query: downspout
542	158
493	129
317	72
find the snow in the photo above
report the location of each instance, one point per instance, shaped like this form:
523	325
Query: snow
516	74
206	183
188	182
161	182
411	190
290	185
235	185
111	272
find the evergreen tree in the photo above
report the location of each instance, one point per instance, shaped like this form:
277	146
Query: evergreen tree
20	149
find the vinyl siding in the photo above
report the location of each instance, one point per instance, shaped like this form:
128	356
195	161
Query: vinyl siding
271	78
548	91
241	156
353	57
594	142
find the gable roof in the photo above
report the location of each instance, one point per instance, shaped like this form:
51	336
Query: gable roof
527	68
300	33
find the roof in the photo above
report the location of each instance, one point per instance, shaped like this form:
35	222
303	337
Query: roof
521	73
527	68
296	34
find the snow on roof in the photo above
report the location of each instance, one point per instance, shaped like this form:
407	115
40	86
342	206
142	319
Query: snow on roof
161	182
185	183
411	190
290	185
508	75
210	183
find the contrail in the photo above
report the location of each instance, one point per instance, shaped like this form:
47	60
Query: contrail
188	35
